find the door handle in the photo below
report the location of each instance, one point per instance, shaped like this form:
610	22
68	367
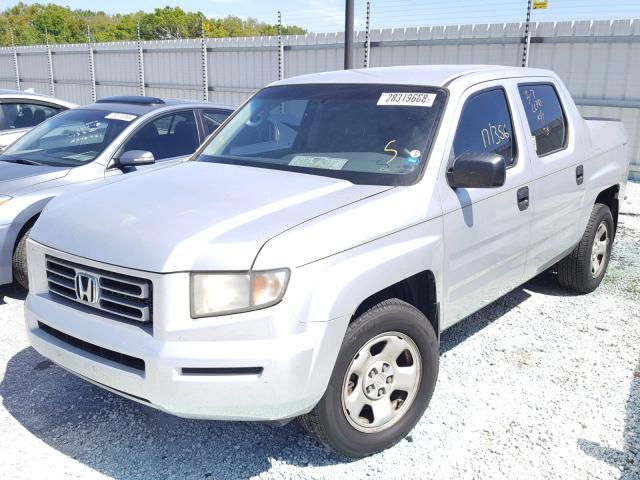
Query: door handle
579	174
523	198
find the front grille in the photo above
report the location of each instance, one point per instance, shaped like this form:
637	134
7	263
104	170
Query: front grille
117	296
117	357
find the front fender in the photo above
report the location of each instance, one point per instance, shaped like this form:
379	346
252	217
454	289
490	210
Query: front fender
18	212
334	287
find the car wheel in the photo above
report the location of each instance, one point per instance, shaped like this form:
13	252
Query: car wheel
382	381
19	262
583	269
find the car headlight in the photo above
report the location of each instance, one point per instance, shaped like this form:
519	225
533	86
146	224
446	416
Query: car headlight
223	293
4	199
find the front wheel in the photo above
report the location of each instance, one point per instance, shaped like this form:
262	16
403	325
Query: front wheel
19	261
584	268
382	381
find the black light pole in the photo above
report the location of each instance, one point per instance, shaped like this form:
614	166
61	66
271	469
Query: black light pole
348	35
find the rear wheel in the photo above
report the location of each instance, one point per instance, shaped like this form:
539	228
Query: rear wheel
381	384
19	263
584	268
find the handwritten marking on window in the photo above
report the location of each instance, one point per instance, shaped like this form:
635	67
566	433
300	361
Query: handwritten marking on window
387	149
534	103
494	135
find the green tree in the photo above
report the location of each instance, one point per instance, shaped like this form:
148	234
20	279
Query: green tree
64	25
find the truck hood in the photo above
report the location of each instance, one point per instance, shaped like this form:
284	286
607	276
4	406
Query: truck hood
193	216
15	176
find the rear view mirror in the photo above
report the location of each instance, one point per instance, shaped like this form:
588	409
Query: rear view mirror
135	158
477	170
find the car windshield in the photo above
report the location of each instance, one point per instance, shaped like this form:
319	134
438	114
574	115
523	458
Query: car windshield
70	139
367	134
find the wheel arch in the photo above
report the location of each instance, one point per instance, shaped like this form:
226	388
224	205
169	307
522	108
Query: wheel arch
20	223
610	198
418	290
25	227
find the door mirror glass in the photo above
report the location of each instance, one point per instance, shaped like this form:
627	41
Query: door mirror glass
477	170
135	158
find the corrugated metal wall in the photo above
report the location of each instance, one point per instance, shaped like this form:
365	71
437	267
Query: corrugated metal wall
599	61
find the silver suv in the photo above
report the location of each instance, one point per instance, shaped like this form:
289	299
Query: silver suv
113	136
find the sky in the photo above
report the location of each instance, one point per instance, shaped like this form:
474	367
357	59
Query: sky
328	15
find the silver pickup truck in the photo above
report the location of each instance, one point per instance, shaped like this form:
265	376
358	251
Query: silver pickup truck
305	260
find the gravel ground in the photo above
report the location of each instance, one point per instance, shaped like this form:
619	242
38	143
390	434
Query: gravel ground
541	384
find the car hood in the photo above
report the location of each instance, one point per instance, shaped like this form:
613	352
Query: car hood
193	216
15	176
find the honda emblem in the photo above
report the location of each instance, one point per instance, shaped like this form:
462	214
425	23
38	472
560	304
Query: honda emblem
87	288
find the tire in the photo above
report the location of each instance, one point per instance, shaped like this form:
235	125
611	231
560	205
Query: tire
577	271
19	262
393	324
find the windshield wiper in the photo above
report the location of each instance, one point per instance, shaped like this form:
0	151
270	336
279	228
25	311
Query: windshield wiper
22	161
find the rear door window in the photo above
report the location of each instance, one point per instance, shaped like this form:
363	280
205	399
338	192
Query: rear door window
26	115
213	119
485	126
546	119
169	136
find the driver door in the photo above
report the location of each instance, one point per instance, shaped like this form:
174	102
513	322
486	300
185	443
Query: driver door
486	230
170	138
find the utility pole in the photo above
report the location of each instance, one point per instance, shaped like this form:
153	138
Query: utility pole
527	37
367	37
348	35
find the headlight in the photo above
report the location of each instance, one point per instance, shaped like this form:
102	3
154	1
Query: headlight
4	199
223	293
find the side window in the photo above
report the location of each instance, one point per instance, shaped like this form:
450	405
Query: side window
25	115
169	136
546	119
213	119
485	126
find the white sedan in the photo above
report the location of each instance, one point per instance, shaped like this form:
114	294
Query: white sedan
21	111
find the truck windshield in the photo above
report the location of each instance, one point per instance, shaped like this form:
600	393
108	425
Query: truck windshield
367	134
70	139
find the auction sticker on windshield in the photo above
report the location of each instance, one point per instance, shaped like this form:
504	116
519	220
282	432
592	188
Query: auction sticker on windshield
125	117
328	163
407	99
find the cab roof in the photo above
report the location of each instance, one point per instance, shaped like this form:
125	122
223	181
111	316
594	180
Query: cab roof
427	75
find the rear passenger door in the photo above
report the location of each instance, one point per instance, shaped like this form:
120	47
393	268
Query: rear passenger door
557	190
486	230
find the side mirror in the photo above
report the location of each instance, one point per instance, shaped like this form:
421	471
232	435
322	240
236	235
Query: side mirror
135	158
477	170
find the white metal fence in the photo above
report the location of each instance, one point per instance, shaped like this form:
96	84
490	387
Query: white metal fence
599	61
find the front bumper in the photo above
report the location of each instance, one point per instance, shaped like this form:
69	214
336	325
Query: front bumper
296	358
